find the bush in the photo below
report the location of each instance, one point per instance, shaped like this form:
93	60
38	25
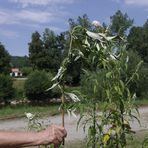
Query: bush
89	79
26	71
139	86
6	88
36	85
142	85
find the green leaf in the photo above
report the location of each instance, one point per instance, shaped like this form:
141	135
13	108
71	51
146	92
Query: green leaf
73	96
93	35
53	86
122	84
86	42
98	47
108	75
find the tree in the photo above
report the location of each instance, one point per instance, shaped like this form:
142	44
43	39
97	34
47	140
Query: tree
75	66
35	50
45	53
137	39
19	62
52	50
81	21
4	60
120	23
6	88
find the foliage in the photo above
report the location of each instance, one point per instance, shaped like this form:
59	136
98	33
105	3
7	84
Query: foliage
19	62
87	82
142	84
6	88
74	68
52	49
120	23
137	40
98	51
35	125
4	60
35	50
45	53
81	21
36	84
26	71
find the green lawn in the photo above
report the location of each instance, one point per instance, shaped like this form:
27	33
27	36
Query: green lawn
18	85
12	112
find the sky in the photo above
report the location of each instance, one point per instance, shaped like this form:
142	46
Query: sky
20	18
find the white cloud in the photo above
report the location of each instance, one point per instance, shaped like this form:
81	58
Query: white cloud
52	11
35	16
26	3
117	1
137	2
29	16
9	34
133	2
6	18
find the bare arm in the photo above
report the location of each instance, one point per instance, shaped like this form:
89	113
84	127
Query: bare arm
52	135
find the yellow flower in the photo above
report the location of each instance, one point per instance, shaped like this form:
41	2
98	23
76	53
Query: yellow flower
126	122
107	136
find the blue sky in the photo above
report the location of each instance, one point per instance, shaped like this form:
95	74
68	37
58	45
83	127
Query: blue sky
20	18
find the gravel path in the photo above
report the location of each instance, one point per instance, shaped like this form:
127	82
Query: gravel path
70	124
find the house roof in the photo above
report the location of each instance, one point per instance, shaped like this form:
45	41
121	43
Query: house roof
15	70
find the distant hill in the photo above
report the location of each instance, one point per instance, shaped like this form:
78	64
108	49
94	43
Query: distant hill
19	62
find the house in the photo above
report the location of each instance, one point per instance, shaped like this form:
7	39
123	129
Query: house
15	72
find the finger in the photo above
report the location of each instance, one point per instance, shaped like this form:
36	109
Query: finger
56	144
62	129
62	134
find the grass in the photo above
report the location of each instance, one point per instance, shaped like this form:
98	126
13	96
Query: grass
13	112
18	85
141	102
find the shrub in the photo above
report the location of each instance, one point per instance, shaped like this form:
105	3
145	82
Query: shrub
6	88
26	71
142	84
139	86
36	85
89	79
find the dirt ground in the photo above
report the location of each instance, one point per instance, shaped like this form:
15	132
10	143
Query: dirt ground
70	125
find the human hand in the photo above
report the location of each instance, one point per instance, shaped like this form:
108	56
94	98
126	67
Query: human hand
52	135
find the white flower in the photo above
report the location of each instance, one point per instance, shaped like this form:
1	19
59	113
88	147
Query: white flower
29	115
96	23
134	96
